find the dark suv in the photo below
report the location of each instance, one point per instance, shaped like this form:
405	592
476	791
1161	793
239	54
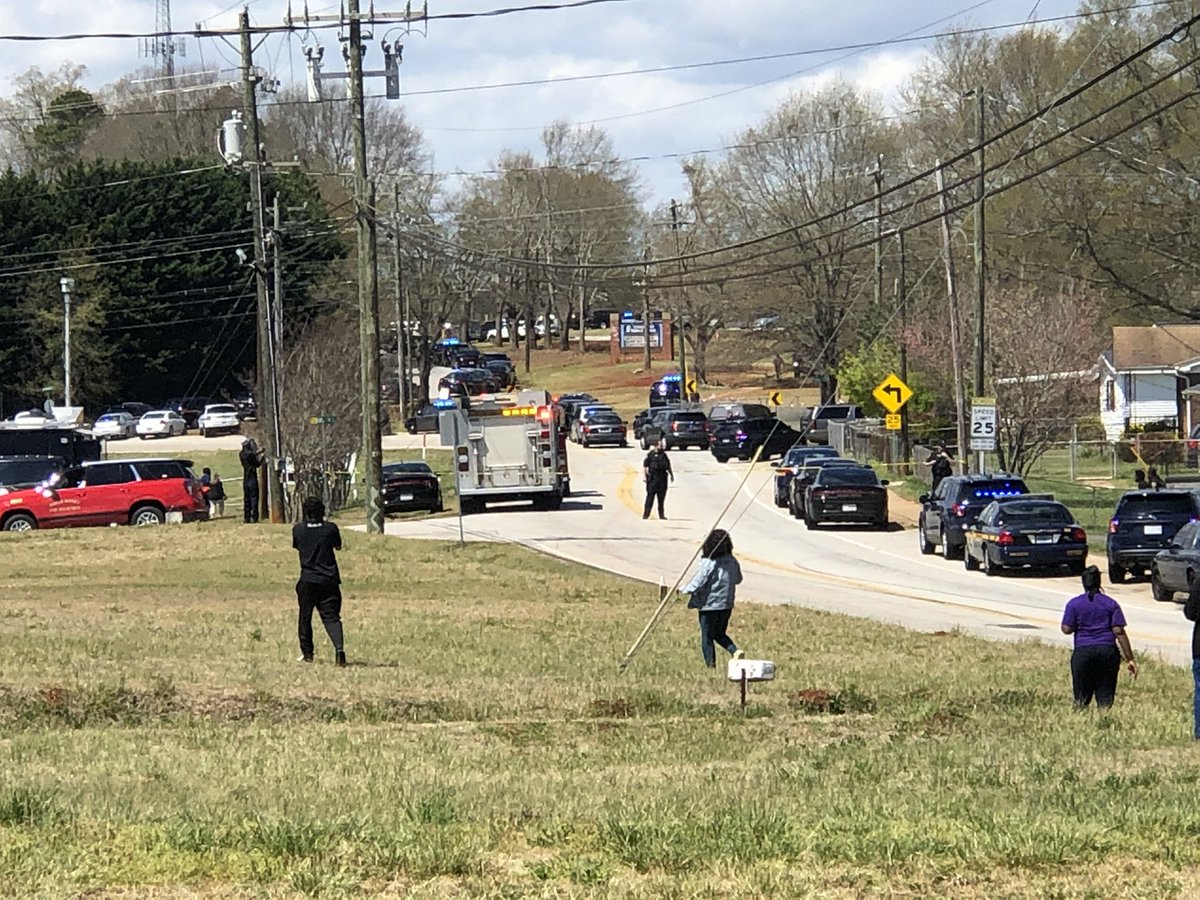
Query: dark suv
1144	523
949	511
741	438
680	428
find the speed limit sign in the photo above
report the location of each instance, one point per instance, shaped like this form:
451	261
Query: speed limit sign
983	423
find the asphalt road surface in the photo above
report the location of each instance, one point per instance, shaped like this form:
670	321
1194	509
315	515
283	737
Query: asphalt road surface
875	574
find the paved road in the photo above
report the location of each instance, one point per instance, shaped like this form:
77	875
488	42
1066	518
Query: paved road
880	575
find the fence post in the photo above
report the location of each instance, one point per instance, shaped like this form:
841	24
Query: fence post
1071	450
1113	450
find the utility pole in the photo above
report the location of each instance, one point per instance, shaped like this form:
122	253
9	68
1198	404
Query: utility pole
66	285
401	324
368	289
678	322
265	369
952	294
529	329
878	173
902	301
980	297
277	294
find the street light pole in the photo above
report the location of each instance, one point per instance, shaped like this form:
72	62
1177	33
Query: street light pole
66	285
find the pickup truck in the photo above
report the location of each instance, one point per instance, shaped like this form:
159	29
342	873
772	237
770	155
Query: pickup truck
815	425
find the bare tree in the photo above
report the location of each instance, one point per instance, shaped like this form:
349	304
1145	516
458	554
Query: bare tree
321	371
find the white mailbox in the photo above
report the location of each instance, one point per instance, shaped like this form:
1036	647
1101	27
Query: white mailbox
751	670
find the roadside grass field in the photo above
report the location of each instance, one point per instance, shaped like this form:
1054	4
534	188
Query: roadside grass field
157	738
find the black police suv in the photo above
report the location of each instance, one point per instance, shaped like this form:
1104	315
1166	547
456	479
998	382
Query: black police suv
1144	523
953	507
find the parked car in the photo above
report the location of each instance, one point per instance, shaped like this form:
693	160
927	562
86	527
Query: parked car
741	438
135	409
680	428
247	407
468	383
1030	531
504	371
410	486
161	423
115	425
846	494
110	492
953	507
582	414
639	422
566	405
793	460
20	472
219	418
1172	570
188	408
603	427
815	424
806	474
1144	523
425	421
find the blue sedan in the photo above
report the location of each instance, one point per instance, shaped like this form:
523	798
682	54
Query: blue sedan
1033	531
793	461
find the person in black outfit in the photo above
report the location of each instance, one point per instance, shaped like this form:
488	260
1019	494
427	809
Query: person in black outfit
941	466
1191	610
319	587
252	459
655	471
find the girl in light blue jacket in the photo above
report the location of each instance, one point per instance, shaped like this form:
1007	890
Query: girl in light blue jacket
712	592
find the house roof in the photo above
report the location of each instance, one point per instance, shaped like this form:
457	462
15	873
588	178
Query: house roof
1154	346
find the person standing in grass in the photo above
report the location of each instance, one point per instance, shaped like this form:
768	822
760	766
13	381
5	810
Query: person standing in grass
712	592
1191	609
1096	621
319	587
216	497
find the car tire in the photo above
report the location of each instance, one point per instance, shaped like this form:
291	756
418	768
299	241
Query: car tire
20	522
203	433
1158	590
780	502
143	516
809	522
970	563
925	545
985	563
470	506
143	436
1116	574
948	552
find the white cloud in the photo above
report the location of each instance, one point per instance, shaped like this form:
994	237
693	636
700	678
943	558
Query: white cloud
466	130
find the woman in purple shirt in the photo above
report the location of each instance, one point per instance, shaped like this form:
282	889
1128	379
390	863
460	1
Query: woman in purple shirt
1099	628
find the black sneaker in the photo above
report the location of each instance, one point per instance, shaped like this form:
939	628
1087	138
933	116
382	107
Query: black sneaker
341	659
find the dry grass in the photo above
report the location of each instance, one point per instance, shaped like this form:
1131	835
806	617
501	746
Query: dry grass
157	739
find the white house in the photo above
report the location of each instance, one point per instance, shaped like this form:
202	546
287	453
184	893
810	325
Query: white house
1148	375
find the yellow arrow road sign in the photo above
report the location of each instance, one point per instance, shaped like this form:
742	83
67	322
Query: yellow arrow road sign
776	398
692	387
892	393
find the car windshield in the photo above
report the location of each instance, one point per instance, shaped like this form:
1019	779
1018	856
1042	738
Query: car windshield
833	412
393	468
1028	513
1156	504
108	418
797	455
848	475
154	415
606	418
690	417
222	410
23	471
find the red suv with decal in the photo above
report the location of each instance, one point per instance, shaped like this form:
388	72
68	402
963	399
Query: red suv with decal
111	492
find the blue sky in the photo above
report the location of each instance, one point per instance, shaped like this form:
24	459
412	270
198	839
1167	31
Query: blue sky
647	115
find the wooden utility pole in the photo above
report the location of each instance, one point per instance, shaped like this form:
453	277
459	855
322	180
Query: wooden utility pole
878	173
368	287
402	364
902	302
952	295
647	362
530	331
680	311
980	294
265	368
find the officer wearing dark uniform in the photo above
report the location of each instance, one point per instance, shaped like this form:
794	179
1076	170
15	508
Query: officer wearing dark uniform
319	587
656	470
252	459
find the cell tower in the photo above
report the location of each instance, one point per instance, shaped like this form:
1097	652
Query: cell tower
163	47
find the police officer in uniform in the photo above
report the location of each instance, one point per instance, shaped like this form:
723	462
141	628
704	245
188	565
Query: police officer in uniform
656	470
252	459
